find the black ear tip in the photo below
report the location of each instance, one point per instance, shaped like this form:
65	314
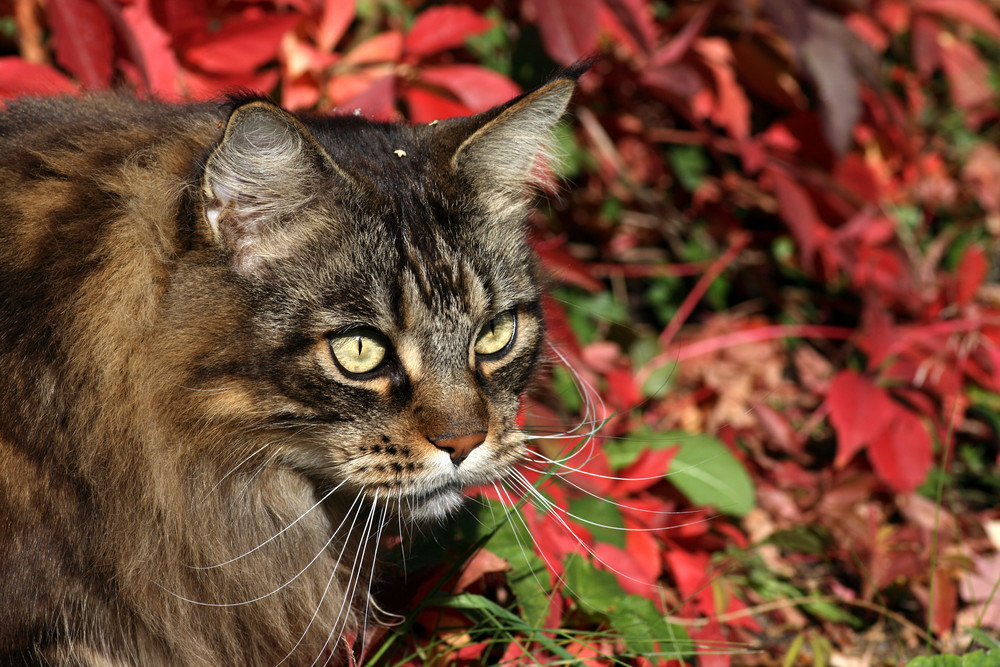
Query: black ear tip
577	69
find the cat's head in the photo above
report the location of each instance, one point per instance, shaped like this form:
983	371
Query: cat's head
383	305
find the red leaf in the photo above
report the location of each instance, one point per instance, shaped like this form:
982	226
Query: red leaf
924	38
375	101
732	108
626	568
971	272
902	455
84	40
555	538
559	331
243	44
569	28
186	21
968	76
977	14
476	87
483	563
878	334
681	43
18	77
981	172
299	56
865	27
945	602
859	412
673	80
151	46
337	16
386	47
202	86
634	23
425	106
645	550
690	571
779	429
440	28
623	392
646	471
712	635
563	266
469	652
894	15
799	213
300	92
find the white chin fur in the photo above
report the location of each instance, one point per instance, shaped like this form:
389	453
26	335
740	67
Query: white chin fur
439	506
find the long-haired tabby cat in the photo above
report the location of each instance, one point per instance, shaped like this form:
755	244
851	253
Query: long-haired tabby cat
235	344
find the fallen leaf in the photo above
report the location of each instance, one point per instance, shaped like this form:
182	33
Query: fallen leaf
859	412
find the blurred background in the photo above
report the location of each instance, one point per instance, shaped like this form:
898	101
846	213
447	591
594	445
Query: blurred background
775	321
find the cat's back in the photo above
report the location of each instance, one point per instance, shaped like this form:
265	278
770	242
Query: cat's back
97	120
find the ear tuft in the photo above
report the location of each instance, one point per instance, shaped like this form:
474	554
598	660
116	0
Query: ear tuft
266	170
500	157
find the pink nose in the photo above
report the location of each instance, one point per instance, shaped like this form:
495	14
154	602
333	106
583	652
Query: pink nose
459	446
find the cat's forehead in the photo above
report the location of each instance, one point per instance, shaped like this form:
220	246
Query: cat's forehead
429	273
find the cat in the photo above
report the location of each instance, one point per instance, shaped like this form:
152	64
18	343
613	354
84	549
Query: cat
235	345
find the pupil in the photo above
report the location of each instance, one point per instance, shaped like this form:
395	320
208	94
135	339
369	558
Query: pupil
359	346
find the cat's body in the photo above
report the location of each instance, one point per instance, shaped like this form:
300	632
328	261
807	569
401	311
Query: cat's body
233	346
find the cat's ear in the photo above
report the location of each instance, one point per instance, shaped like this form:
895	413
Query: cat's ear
499	156
265	171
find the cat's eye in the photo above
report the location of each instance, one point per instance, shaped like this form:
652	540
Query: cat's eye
358	352
497	334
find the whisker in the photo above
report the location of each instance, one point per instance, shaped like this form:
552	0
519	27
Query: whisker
548	505
280	532
289	581
329	581
344	611
368	594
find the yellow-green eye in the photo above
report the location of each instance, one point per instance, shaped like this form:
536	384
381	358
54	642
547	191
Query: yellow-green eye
497	333
358	351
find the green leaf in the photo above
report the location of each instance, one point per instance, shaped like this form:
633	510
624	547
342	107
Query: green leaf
703	469
529	576
707	473
596	591
659	381
565	386
623	452
984	639
800	539
689	164
643	627
585	311
663	295
974	659
600	511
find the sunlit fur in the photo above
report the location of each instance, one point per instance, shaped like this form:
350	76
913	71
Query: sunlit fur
187	476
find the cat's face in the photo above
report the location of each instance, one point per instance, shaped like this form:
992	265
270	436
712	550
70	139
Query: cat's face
387	296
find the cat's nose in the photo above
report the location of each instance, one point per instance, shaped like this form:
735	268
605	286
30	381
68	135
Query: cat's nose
459	446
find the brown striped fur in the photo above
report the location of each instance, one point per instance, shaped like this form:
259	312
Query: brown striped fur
170	281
